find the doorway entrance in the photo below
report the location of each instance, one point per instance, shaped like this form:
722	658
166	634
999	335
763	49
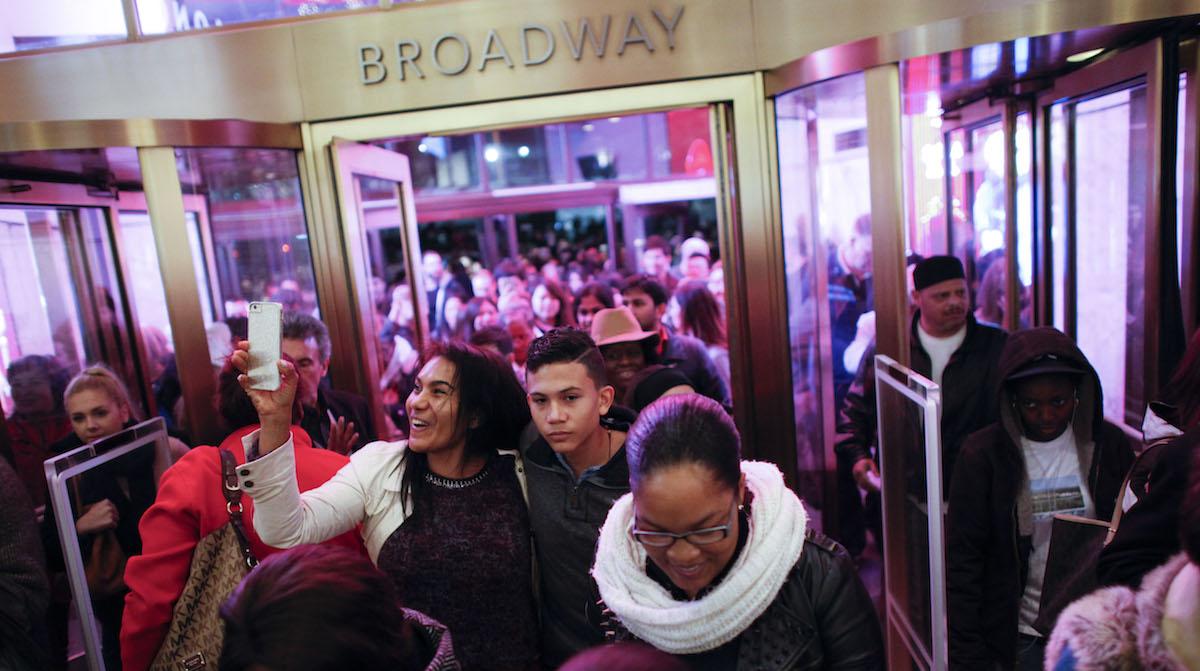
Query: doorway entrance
574	187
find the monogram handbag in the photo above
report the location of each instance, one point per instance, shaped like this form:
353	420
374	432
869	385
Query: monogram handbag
220	561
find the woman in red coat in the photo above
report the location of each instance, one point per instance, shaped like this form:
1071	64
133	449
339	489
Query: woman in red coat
188	507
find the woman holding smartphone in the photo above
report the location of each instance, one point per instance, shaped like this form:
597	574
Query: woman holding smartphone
442	513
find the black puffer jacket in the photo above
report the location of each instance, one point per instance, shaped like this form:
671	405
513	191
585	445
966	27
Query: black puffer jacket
988	557
968	394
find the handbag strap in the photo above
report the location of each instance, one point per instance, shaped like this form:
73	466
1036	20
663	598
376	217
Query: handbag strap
232	490
1119	509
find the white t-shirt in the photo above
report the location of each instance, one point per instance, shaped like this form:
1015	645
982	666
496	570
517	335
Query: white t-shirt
940	350
1056	486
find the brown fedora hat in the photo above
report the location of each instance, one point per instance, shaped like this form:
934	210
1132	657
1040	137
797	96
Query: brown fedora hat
616	325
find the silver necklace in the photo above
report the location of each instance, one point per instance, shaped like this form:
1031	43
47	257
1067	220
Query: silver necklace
452	483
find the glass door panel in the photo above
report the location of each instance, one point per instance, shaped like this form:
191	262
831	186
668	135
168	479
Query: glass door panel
62	307
248	216
376	205
1107	241
1026	242
39	313
1109	155
824	186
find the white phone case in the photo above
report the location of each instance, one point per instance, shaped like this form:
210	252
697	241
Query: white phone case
264	335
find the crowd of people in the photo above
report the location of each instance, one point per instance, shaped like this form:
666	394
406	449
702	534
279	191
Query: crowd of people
561	485
679	312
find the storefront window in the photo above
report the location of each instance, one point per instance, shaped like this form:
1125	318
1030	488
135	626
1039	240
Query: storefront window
46	24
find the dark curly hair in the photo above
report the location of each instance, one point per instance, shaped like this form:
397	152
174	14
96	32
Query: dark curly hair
489	396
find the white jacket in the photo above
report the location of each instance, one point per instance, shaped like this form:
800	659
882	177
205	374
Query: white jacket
365	491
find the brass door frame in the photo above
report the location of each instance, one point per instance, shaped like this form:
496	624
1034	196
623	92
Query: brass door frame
751	242
1189	62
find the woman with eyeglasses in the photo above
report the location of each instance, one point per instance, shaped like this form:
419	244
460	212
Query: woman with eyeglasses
710	558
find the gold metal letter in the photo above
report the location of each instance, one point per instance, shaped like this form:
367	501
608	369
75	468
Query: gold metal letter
466	59
404	60
669	27
365	64
599	44
493	40
525	43
631	21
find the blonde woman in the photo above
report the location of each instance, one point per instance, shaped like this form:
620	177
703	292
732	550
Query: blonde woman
114	496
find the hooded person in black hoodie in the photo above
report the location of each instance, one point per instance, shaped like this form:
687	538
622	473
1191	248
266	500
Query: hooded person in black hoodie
1051	452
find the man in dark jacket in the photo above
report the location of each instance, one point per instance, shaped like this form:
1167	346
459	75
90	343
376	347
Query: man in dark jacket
1051	452
647	299
336	420
576	469
947	346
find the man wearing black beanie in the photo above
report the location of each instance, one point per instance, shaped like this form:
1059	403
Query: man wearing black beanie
947	346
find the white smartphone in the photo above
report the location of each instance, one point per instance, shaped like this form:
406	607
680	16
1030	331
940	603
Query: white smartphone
264	331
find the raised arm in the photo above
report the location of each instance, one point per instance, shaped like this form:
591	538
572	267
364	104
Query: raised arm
282	516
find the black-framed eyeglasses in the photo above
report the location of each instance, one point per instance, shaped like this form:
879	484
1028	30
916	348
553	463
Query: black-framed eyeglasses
665	539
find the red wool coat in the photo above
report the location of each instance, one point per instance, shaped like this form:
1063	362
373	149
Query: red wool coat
188	507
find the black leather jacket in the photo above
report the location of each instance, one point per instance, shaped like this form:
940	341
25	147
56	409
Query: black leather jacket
969	385
822	618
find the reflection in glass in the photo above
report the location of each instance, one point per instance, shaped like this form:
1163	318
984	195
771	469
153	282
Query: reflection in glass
632	148
394	316
984	170
1109	155
824	184
256	224
925	149
156	17
44	25
440	164
1058	213
38	309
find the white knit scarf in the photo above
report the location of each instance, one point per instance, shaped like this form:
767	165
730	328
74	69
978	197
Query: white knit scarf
647	610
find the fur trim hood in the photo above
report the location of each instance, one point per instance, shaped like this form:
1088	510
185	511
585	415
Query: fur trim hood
1117	629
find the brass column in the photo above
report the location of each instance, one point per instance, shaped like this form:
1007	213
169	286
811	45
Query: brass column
884	153
164	200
